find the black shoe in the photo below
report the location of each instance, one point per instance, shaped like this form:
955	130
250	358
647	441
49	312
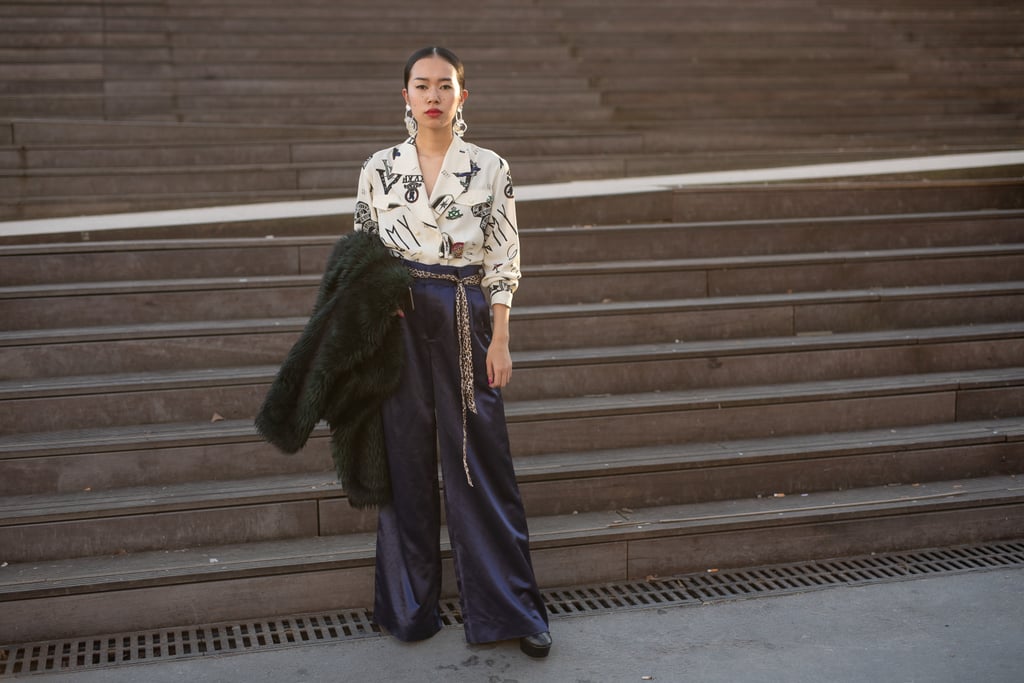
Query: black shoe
538	645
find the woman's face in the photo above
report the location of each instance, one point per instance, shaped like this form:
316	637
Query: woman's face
433	93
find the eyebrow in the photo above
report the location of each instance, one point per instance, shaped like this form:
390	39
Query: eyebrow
424	78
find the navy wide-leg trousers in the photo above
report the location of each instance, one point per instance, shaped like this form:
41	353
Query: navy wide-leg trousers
486	523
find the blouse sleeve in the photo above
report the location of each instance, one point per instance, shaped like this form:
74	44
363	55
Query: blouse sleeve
501	241
365	214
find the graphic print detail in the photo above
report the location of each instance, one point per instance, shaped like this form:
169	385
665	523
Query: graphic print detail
412	187
442	203
467	176
483	212
388	178
365	219
449	249
454	213
394	235
500	286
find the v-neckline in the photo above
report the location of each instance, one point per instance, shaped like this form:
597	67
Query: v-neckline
437	176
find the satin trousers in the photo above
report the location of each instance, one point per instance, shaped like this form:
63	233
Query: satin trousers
486	523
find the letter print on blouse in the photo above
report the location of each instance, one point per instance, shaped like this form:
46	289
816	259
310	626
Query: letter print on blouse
412	187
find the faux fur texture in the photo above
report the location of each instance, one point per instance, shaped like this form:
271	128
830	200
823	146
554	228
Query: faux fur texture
346	362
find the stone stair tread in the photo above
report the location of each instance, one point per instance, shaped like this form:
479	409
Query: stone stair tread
722	262
727	347
767	511
127	437
223	376
148	331
165	434
104	204
153	568
115	287
561	311
296	139
552	269
745	451
646	403
165	245
176	243
143	499
90	172
163	567
217	243
137	381
525	162
41	508
725	302
56	205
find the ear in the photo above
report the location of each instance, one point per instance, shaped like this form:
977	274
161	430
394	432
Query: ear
464	95
405	95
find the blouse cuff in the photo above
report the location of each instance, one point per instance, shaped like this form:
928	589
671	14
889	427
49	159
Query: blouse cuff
503	297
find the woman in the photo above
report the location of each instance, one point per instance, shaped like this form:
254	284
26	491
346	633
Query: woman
446	208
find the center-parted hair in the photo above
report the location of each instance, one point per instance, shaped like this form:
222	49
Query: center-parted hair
442	52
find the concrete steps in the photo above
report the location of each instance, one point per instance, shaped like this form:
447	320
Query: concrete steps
187	345
97	522
155	300
790	77
125	399
706	376
334	571
867	367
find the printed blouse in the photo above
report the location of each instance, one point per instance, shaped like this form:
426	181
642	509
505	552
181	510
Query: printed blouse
469	218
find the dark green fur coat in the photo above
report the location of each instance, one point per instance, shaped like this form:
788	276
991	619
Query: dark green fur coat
346	362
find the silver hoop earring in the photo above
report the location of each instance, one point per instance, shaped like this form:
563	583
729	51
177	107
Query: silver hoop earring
410	122
459	126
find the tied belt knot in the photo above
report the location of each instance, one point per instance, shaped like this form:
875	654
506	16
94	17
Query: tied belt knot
465	346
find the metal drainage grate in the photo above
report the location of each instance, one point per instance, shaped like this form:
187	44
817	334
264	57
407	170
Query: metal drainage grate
184	643
690	589
806	576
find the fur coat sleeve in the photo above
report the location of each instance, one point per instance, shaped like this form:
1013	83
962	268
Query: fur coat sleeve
347	360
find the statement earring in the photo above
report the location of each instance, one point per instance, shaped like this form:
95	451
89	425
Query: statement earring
459	126
410	122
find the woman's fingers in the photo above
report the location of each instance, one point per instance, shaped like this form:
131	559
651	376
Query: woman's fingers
499	367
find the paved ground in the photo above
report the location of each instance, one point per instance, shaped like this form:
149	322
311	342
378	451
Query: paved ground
953	628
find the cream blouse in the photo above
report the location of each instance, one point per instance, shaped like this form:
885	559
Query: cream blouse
469	218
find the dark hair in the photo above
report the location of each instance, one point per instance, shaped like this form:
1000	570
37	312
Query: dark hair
442	52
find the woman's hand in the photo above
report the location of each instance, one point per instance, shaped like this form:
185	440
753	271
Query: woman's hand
499	364
499	360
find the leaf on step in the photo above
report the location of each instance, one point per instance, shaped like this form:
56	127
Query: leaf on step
217	417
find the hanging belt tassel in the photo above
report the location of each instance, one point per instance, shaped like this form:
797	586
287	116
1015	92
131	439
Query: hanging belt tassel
465	349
